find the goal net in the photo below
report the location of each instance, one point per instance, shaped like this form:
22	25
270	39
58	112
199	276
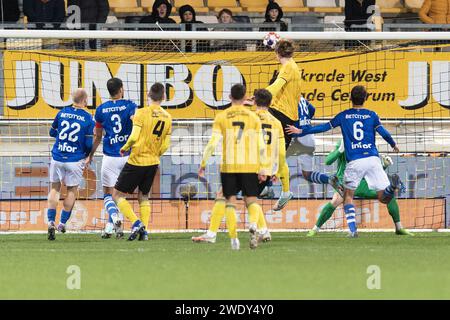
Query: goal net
407	76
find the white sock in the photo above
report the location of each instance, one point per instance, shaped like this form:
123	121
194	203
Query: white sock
316	228
285	194
262	231
398	225
210	234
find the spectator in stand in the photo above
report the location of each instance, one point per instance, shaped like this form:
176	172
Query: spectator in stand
92	12
9	10
435	12
160	13
274	13
356	18
225	16
45	11
188	18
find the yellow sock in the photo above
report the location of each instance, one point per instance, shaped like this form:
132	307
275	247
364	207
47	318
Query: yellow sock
230	213
218	211
284	176
125	207
254	211
262	225
145	212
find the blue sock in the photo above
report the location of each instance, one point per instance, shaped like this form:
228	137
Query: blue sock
51	215
389	191
65	215
350	215
110	206
317	177
136	224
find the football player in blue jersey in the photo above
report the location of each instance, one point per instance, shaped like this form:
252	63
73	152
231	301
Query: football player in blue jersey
73	129
303	147
114	118
358	126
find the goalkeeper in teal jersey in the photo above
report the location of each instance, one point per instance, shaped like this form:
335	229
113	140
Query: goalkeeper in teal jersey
362	191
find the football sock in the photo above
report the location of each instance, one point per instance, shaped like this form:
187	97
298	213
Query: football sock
65	215
51	215
284	177
254	211
262	225
317	177
325	214
110	206
230	214
217	214
136	224
125	207
145	212
394	210
388	194
350	216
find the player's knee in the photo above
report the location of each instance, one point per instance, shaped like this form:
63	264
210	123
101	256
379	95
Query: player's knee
53	199
307	175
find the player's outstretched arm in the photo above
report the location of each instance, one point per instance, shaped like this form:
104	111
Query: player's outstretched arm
134	136
315	129
275	87
387	137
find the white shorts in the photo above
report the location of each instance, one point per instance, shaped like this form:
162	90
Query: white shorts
369	168
305	162
111	167
70	173
304	148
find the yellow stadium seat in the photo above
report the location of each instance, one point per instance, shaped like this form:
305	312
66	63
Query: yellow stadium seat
125	6
254	5
327	9
391	6
323	6
176	18
198	5
292	5
414	5
218	5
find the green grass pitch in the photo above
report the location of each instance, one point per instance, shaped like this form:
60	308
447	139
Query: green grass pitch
170	266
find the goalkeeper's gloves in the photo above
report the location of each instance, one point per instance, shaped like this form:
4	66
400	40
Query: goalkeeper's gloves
386	161
341	147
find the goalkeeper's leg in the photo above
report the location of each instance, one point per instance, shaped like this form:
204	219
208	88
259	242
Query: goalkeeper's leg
326	213
364	192
394	211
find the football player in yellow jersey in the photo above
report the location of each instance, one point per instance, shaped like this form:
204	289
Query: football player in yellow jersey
285	91
149	139
244	161
276	154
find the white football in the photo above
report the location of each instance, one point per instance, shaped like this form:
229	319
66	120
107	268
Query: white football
271	39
